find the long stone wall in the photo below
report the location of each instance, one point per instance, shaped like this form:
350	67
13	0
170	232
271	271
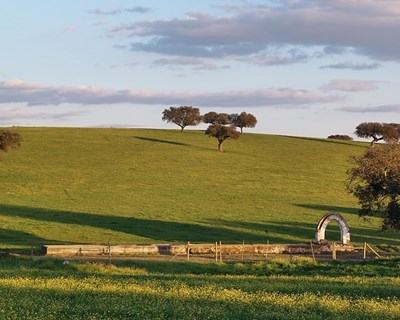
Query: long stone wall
173	249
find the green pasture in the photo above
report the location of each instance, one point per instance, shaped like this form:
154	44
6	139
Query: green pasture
71	185
51	289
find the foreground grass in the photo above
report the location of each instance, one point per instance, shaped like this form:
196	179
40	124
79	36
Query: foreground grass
145	186
49	289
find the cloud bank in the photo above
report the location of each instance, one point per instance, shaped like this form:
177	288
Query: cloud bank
34	94
368	28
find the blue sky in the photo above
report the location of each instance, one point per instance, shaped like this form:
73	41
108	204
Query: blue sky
304	68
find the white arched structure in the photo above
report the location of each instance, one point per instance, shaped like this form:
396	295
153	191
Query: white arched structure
323	223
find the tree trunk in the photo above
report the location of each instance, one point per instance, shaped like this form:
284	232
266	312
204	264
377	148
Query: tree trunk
220	145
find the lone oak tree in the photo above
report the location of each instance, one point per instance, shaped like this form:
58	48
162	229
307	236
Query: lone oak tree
378	131
182	116
375	181
243	120
222	133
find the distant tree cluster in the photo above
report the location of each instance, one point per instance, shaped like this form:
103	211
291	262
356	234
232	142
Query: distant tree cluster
340	137
222	125
388	132
9	140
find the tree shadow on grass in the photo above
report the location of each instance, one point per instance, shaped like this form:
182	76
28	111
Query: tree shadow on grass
154	230
342	142
162	141
328	208
306	231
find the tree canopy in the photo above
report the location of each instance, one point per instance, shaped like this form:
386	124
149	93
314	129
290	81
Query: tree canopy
389	132
9	140
375	181
243	120
216	118
221	133
182	116
340	137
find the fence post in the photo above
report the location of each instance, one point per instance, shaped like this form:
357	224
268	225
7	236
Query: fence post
242	249
220	251
333	251
365	251
312	251
373	251
188	251
109	252
266	254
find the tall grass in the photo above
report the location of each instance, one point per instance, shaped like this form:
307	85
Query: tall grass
141	186
51	289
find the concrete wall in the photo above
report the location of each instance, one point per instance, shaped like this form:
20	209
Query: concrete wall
172	249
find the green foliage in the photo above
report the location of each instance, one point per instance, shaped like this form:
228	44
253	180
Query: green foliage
221	133
340	137
182	116
9	140
127	186
375	181
390	132
50	289
216	118
243	120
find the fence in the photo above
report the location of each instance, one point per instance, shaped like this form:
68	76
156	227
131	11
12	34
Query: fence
219	251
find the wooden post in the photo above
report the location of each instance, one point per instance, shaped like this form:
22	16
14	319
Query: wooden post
365	251
216	251
290	250
333	251
109	252
188	251
372	249
312	251
266	254
220	251
242	249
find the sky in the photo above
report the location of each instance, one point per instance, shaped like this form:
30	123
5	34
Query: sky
303	68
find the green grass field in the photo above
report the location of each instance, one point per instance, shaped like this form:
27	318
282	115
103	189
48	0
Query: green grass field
70	185
48	289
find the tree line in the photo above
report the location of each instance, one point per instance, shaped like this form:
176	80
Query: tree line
222	126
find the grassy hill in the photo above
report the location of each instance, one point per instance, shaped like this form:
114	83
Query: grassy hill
69	185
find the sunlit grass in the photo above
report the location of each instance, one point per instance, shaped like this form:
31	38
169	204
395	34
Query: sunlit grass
51	289
143	186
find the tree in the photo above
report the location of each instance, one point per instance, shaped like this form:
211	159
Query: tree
375	181
216	118
340	137
9	140
243	120
182	116
378	131
222	133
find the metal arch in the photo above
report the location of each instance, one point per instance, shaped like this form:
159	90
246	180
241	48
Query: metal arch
323	223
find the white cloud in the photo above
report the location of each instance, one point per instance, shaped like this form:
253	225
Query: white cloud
353	66
16	91
377	109
7	115
351	85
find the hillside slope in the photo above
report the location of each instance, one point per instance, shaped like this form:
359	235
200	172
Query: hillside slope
70	185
